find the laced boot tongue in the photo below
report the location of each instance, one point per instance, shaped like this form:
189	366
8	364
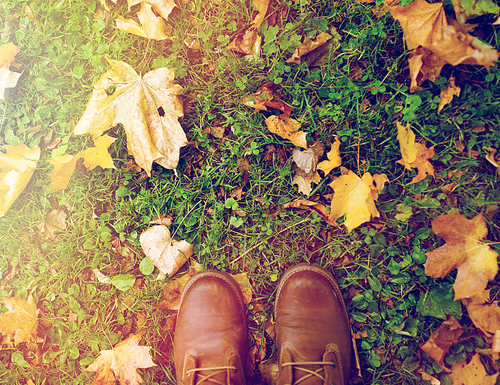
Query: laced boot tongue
214	375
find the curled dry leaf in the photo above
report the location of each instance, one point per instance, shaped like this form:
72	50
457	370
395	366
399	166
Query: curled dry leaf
334	159
261	6
483	313
304	183
152	26
265	97
309	45
472	373
55	220
464	250
307	161
442	338
354	198
491	158
414	155
167	254
148	107
287	128
447	94
247	42
318	208
121	363
17	166
424	65
20	324
162	219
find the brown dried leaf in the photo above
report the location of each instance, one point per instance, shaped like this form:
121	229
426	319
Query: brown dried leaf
304	182
121	363
162	219
475	261
55	220
448	93
424	65
472	373
244	42
318	208
484	314
309	45
287	128
442	338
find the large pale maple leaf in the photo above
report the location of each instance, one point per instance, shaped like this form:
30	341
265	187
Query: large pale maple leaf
464	250
121	363
20	324
355	198
148	107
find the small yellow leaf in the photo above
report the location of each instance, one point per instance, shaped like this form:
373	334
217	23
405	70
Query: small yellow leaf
17	165
334	159
353	198
447	94
287	128
163	7
64	166
152	26
99	155
261	6
8	54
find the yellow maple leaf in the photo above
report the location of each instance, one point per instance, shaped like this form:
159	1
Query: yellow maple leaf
148	107
64	166
353	198
415	155
163	7
475	261
99	155
447	94
17	165
121	363
287	128
152	26
21	322
334	159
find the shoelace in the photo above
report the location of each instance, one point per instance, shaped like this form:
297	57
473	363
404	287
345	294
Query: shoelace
220	369
311	372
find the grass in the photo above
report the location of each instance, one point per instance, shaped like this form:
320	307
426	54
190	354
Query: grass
358	93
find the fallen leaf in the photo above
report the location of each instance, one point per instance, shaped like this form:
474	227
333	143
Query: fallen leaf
265	97
353	198
261	6
309	45
287	128
103	278
441	340
318	208
17	166
306	161
379	181
334	159
147	106
99	155
152	26
475	261
167	254
163	7
8	79
215	131
447	94
428	377
55	220
21	322
404	213
424	65
483	313
415	155
121	363
471	374
64	166
491	158
304	182
245	42
8	54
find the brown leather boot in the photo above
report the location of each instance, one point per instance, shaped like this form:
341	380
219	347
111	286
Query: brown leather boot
312	328
211	331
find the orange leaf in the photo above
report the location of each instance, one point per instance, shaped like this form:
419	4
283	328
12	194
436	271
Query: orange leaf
121	363
287	128
485	315
315	207
475	261
442	338
21	322
471	374
424	65
334	159
447	94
